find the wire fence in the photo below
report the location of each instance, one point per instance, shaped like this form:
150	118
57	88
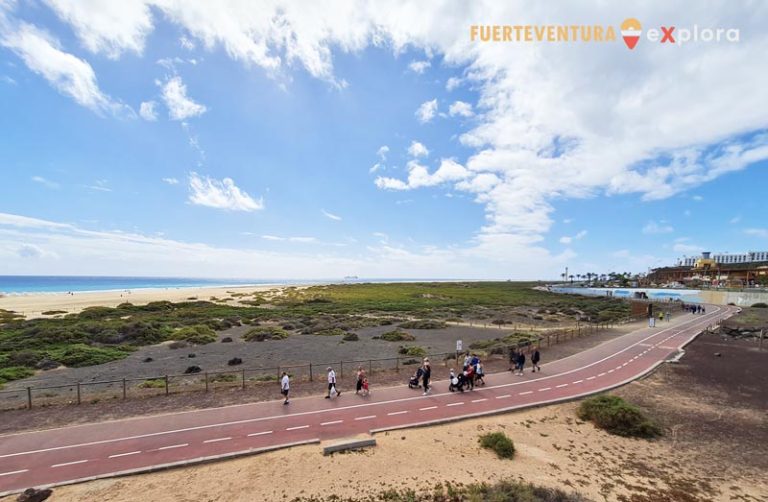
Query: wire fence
78	392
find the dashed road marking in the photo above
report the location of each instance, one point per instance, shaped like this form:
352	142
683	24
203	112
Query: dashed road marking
503	396
428	408
455	404
368	417
561	385
13	472
591	378
578	381
480	400
525	393
611	371
182	445
259	433
397	413
216	440
601	374
70	463
334	422
545	388
297	428
118	455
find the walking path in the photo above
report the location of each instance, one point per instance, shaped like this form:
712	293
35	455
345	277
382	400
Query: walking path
82	452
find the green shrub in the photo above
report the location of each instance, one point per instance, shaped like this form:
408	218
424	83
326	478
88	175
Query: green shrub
14	373
197	335
397	336
760	305
79	355
153	383
499	443
616	416
54	312
425	324
413	351
265	333
351	337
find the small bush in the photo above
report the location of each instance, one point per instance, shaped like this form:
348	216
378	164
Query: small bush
397	336
14	373
265	333
426	324
351	337
54	312
616	416
197	335
499	443
153	383
760	305
414	351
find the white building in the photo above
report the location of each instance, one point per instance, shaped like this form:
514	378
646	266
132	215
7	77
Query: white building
727	258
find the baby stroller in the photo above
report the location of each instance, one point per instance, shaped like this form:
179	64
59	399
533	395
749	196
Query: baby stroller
457	383
413	383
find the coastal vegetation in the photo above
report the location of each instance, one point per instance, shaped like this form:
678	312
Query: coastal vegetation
102	334
616	416
499	443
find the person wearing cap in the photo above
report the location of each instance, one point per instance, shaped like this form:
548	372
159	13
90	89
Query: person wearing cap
332	383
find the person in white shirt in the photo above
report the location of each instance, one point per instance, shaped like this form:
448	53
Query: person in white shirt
285	386
332	383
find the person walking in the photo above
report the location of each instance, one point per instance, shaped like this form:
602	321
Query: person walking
285	386
426	375
332	384
535	358
512	359
668	316
520	362
651	319
360	378
479	372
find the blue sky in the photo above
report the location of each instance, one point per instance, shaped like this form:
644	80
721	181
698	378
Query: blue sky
161	140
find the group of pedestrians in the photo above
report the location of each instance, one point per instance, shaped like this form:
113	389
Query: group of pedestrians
694	309
333	391
517	360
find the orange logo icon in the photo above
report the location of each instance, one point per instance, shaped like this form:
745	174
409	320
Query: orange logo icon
631	29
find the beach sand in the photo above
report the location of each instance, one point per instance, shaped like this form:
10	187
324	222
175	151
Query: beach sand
34	304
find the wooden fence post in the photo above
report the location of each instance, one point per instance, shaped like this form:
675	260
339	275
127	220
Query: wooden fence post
29	397
243	379
166	385
125	389
206	381
310	371
78	392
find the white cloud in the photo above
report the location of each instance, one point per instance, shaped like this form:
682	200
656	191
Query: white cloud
224	194
427	111
99	186
107	26
69	74
147	111
452	83
8	80
417	150
419	176
377	167
180	107
186	43
382	152
330	215
45	182
652	227
697	198
735	220
757	232
171	181
687	248
419	66
569	239
460	108
567	220
304	240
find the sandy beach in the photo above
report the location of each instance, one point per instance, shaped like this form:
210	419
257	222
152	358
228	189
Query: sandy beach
34	304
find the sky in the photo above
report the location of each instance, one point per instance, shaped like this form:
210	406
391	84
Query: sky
317	140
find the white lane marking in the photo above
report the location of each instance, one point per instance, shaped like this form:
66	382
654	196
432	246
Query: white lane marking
691	324
591	378
561	385
577	381
297	428
13	472
118	455
69	463
366	417
504	396
331	423
601	374
181	445
479	400
610	371
525	393
397	413
259	433
216	440
455	404
427	408
544	388
618	367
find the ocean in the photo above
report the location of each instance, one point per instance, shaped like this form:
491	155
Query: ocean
18	284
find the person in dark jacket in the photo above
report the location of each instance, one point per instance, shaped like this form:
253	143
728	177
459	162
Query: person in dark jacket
535	358
520	363
426	375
